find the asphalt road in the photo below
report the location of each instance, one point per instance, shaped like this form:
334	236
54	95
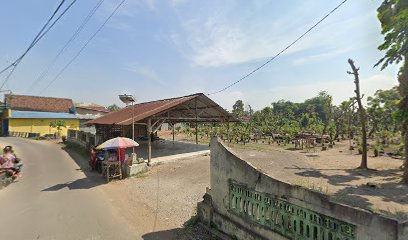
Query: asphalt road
55	199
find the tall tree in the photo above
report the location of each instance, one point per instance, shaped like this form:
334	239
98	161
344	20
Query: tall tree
393	15
58	124
380	107
361	111
113	108
238	109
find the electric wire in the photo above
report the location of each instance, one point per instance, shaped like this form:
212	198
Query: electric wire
39	36
35	38
70	40
282	51
83	47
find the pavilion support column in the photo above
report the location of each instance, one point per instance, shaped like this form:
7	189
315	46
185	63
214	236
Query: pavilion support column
228	130
196	121
173	126
196	131
149	139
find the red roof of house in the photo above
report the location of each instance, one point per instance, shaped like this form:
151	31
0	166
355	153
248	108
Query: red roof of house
95	108
145	110
38	104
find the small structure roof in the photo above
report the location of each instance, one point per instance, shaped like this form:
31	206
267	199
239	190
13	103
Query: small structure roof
197	107
39	104
95	108
42	115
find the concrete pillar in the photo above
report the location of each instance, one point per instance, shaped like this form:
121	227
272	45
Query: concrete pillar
173	126
196	121
149	144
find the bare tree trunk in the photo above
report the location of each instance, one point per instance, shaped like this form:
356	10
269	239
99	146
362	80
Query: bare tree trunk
405	165
361	111
403	106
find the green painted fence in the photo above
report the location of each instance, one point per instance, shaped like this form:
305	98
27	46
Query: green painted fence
285	218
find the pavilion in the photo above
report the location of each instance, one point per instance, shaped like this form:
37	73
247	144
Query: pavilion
147	117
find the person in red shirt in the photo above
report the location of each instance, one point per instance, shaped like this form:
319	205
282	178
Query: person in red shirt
122	159
92	162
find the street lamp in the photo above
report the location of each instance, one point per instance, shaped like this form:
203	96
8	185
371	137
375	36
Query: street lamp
129	99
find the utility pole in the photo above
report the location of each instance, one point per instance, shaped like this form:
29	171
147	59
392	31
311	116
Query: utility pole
125	98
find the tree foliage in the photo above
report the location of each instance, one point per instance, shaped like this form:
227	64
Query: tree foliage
113	108
393	15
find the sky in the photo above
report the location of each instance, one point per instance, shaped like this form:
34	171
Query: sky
155	49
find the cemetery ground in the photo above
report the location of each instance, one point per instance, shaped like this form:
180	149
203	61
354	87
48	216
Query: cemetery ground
333	172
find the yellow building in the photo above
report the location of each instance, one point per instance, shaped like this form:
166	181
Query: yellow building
38	116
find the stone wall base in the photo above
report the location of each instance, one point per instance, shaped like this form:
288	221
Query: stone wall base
214	220
136	168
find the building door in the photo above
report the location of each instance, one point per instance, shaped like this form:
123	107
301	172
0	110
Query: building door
5	127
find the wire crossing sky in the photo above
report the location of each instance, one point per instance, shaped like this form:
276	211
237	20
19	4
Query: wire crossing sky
283	50
70	40
44	30
161	49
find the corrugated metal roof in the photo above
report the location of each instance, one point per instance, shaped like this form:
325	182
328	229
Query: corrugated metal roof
95	108
143	111
37	115
37	103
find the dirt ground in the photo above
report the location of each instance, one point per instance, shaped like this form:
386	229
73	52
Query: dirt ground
182	137
334	172
159	202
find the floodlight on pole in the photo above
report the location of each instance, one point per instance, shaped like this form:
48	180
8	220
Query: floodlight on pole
129	99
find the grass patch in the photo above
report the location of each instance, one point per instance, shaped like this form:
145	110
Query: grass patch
76	148
35	138
395	213
141	174
313	186
193	221
253	146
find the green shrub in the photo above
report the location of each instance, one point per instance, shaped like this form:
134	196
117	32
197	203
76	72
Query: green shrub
376	151
360	149
77	148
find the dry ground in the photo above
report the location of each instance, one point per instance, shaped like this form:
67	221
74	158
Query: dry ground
334	172
159	202
182	137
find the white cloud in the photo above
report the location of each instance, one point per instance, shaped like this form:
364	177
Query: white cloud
121	25
225	36
321	56
340	90
130	8
176	3
144	72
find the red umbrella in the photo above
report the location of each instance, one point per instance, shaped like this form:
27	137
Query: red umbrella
119	142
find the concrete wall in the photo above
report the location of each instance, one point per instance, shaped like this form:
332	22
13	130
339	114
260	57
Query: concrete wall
227	166
41	126
82	138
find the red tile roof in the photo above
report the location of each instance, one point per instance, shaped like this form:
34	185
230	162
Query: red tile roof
38	104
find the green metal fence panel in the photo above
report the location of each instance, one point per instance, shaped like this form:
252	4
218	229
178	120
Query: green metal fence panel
285	218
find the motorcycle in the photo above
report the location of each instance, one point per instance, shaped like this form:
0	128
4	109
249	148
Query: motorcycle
8	175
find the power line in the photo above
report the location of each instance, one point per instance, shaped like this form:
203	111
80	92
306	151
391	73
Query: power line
282	51
39	36
36	37
72	38
83	47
